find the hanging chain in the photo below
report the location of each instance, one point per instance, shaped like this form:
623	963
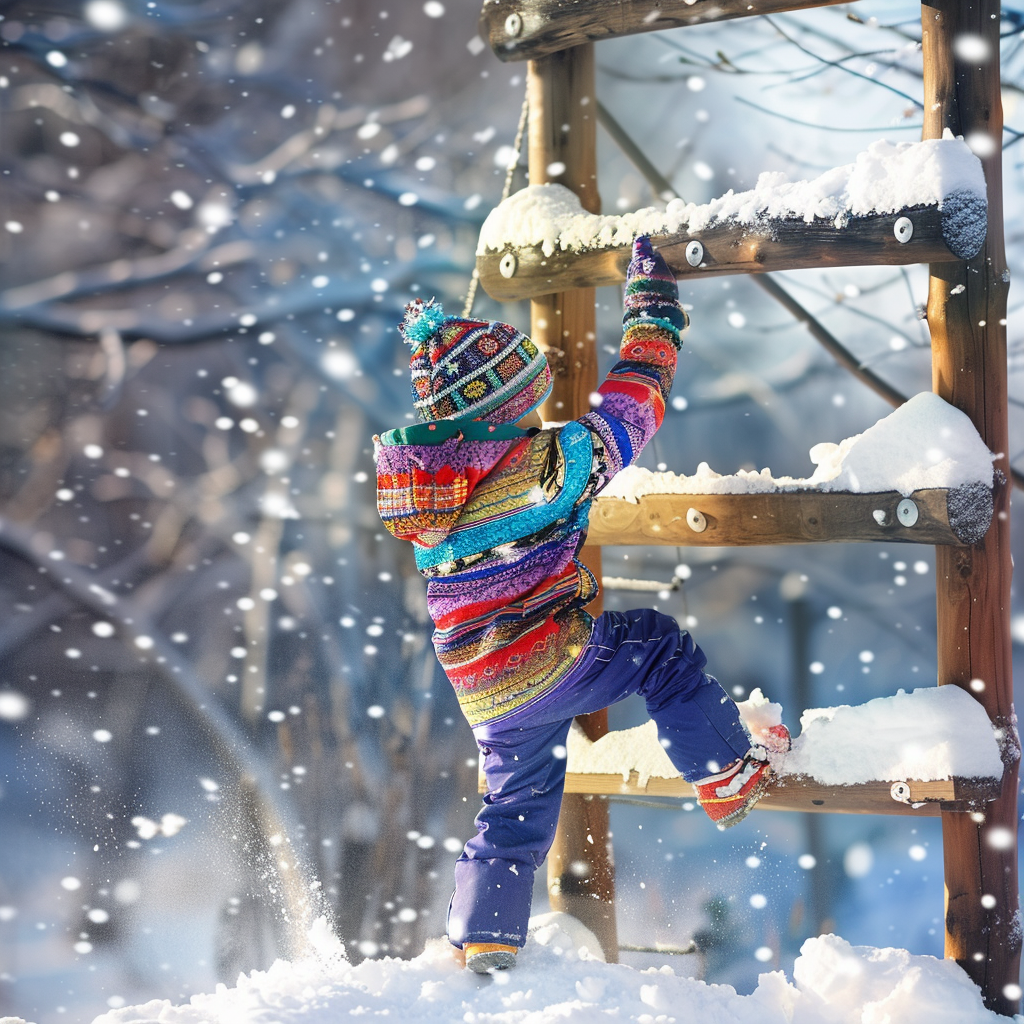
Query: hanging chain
506	191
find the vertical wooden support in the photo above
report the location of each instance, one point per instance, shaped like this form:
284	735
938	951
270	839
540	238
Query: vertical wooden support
563	148
819	905
967	319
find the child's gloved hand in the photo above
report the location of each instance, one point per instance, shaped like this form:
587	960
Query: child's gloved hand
651	289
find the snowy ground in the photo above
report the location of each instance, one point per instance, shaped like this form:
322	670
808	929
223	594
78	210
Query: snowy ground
559	979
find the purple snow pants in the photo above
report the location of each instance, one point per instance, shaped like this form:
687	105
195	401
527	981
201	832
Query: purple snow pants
638	651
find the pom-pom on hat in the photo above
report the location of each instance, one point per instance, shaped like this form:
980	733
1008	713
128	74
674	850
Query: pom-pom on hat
471	369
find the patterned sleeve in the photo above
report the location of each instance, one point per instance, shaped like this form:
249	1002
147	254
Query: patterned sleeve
634	393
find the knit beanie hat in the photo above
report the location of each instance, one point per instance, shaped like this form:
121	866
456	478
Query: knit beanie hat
471	369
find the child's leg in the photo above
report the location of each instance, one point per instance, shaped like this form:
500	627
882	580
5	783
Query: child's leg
645	652
515	828
639	651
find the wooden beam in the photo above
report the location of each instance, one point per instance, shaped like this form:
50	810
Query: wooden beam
528	29
562	147
801	793
788	243
967	319
944	517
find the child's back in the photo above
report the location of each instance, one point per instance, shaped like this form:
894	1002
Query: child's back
498	513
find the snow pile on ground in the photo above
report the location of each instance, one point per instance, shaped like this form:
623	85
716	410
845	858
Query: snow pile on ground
885	178
936	732
924	443
560	979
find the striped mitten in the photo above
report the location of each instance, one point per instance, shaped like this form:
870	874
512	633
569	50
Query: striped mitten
652	295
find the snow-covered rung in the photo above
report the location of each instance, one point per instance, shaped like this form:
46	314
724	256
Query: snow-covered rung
903	754
527	29
913	202
920	474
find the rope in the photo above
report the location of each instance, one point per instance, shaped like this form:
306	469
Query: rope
506	191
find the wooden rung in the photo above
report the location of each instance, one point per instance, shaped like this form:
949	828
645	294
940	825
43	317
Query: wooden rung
800	793
729	247
948	517
527	29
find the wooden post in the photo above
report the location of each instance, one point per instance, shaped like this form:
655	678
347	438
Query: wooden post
799	615
563	148
967	319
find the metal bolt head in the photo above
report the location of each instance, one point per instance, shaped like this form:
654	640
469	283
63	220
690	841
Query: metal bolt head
906	512
900	791
695	520
694	253
513	25
508	264
903	229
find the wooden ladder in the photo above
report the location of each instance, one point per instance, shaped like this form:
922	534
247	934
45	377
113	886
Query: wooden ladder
968	370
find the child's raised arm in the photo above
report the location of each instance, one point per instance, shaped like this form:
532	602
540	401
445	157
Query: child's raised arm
634	393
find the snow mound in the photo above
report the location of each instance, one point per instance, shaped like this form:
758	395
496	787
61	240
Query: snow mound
559	981
844	984
885	178
925	443
935	732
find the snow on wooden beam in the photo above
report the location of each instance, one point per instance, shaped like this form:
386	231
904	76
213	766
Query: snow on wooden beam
920	202
904	754
954	516
527	29
785	243
921	474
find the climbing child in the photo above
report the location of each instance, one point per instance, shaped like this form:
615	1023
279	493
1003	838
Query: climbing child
497	515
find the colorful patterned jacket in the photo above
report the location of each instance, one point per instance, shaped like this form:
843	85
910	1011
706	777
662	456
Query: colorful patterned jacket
497	514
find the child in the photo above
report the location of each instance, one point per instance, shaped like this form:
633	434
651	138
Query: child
497	515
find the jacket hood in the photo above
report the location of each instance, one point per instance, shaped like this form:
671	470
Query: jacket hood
426	473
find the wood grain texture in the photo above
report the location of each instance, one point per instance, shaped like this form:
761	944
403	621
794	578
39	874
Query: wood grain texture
562	147
549	26
733	248
744	520
966	316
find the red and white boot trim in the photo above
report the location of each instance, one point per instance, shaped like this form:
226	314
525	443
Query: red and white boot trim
729	796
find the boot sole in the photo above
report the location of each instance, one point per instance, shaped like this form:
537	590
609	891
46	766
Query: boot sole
493	960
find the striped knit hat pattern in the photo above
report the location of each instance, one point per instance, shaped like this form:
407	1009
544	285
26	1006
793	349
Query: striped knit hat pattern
471	369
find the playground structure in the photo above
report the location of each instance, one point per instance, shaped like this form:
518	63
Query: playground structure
966	315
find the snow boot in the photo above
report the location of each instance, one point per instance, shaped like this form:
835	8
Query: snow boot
729	796
485	957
